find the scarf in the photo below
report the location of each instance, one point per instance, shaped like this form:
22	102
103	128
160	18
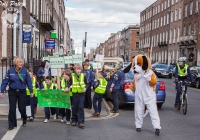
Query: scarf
19	75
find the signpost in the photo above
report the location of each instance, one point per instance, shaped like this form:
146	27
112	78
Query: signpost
50	43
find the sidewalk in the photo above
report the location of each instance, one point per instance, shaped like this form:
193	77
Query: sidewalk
4	109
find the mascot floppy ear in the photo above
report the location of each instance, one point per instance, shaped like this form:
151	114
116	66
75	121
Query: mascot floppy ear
128	68
145	63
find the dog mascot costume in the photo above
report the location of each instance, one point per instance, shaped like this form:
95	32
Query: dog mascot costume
144	85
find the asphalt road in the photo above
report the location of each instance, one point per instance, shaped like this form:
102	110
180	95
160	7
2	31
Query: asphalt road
175	125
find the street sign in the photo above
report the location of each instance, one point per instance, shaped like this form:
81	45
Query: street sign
50	43
57	62
27	33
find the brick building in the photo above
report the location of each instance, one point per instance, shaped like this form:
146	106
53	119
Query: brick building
166	28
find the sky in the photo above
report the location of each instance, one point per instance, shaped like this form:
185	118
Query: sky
100	18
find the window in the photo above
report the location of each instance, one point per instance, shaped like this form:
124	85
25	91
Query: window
176	15
164	22
167	18
137	45
137	34
180	13
162	7
186	8
172	2
158	24
168	3
197	5
165	5
191	7
175	33
161	20
195	27
178	32
189	29
184	30
166	35
172	14
158	8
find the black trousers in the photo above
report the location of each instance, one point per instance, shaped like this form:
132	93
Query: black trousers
88	98
13	97
67	112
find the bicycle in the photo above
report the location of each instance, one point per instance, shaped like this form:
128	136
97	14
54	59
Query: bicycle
183	97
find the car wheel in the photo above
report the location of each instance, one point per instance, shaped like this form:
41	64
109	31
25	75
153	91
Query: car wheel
197	84
159	105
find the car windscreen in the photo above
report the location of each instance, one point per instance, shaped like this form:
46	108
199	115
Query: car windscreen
162	66
129	75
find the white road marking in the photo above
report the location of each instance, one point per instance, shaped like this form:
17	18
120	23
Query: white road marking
12	133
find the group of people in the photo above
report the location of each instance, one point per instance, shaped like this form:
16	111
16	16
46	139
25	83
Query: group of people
77	80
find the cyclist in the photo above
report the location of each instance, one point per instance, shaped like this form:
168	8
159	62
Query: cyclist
182	71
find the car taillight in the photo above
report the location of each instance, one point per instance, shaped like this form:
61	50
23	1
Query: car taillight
127	85
162	86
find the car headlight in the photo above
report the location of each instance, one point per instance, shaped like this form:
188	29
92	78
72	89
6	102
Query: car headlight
158	71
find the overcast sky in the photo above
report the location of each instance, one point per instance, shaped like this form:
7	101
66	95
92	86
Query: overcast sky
112	11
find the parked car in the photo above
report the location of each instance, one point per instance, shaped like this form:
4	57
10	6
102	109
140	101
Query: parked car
196	75
129	98
171	67
162	70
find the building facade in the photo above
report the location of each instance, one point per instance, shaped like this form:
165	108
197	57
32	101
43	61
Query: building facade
168	30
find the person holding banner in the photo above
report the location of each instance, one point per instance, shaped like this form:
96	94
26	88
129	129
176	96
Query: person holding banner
89	66
100	89
17	77
89	86
64	82
49	85
32	101
77	84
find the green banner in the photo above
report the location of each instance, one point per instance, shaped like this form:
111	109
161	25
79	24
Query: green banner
54	98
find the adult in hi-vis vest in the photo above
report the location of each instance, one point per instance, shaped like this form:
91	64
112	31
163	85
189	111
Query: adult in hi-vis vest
48	85
100	89
181	73
17	77
89	86
66	113
32	101
77	83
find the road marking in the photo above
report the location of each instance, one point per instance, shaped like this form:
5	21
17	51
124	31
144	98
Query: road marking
12	133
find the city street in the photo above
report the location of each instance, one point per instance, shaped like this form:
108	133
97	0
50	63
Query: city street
175	125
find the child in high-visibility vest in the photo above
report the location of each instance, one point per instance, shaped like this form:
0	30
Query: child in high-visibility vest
32	101
64	82
47	86
100	89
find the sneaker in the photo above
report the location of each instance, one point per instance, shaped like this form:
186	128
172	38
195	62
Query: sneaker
54	117
81	126
31	119
157	132
113	111
61	120
46	121
95	114
176	105
138	129
73	123
68	122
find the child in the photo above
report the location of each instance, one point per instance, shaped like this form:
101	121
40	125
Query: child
49	85
77	83
32	101
64	82
100	88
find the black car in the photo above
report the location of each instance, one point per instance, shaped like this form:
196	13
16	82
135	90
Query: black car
162	70
196	75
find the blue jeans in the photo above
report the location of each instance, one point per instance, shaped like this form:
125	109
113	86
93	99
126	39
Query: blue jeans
97	98
30	101
78	108
114	95
178	94
47	112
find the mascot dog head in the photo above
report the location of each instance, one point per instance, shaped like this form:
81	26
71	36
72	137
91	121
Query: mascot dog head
140	63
